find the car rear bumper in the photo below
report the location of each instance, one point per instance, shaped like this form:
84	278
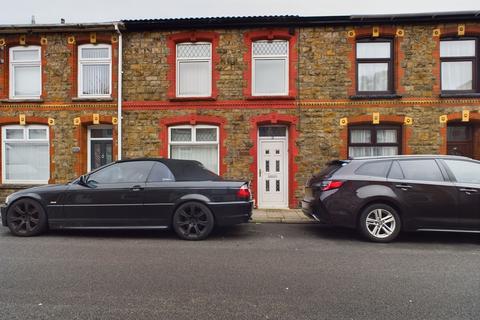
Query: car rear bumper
230	213
3	213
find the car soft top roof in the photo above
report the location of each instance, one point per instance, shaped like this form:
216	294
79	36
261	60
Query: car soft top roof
183	170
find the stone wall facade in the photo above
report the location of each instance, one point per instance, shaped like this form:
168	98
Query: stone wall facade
318	114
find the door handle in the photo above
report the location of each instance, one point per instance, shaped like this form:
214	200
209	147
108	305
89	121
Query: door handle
468	190
403	186
136	188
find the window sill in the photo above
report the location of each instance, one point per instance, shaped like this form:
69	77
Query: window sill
18	186
270	98
460	95
92	99
180	99
375	96
22	100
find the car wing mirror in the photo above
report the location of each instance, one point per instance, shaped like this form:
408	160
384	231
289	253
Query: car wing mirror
83	180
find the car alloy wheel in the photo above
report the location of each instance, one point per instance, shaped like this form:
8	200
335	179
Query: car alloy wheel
380	223
193	221
26	217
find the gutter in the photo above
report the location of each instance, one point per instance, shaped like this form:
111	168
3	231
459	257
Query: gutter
119	94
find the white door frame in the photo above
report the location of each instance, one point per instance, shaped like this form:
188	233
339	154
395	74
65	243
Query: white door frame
89	139
260	171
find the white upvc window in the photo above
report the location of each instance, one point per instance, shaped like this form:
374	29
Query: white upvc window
270	68
458	63
194	69
94	70
200	142
25	72
25	154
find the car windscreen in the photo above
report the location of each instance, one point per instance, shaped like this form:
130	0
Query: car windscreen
191	171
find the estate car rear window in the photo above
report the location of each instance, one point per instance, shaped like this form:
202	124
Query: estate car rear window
374	169
422	169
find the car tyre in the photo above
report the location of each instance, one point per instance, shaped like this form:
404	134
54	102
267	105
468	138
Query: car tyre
193	221
26	218
380	223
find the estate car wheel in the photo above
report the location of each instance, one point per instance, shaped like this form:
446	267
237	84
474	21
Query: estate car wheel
193	221
380	223
26	218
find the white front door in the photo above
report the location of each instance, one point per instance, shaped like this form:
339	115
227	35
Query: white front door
272	173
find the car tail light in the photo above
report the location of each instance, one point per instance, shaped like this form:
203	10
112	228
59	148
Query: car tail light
331	184
244	192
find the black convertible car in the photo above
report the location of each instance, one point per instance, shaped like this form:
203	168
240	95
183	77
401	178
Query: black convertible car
138	193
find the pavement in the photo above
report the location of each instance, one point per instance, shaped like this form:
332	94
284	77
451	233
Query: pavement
250	271
280	216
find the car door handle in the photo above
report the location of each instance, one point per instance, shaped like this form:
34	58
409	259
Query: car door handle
468	190
403	186
136	188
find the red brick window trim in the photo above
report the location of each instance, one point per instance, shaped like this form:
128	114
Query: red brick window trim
10	121
194	120
6	73
84	39
271	35
195	37
385	120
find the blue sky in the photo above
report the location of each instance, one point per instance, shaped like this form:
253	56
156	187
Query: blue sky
50	11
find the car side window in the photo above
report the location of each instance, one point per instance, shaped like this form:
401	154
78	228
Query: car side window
421	169
374	169
123	172
464	171
395	171
160	173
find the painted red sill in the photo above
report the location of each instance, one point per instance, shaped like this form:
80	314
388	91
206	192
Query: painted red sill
193	99
270	98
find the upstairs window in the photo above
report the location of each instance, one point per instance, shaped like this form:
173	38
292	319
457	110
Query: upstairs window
25	72
194	69
374	67
367	141
270	68
458	64
94	70
25	154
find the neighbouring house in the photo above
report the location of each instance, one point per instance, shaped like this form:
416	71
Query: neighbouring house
268	99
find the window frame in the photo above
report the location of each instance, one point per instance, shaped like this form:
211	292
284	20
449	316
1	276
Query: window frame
286	58
202	59
389	61
25	140
373	134
194	141
27	63
473	59
85	61
89	141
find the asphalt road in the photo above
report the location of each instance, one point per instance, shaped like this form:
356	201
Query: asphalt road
254	271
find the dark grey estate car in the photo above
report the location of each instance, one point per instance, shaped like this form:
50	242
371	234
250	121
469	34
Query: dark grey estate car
383	195
138	193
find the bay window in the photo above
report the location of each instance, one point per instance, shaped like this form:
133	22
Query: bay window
366	141
200	142
270	68
25	72
458	65
25	154
194	69
374	67
94	70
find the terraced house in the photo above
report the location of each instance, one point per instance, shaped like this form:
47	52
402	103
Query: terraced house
270	99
